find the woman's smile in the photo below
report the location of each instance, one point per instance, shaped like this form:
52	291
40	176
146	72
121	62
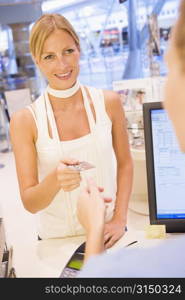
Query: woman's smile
64	76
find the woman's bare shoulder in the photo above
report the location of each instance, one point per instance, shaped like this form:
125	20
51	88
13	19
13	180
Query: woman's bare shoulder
112	102
22	121
111	96
21	117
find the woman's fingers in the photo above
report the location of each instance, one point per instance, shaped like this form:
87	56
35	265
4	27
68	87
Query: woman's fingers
69	176
107	236
69	188
69	161
70	182
68	179
62	168
110	242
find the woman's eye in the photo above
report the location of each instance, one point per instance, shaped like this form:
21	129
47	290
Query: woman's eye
68	51
48	57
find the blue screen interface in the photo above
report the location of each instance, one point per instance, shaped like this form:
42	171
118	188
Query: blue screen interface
169	168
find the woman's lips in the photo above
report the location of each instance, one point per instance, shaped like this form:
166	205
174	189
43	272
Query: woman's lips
64	76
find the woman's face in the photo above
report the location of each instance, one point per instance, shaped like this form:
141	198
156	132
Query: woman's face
174	101
59	61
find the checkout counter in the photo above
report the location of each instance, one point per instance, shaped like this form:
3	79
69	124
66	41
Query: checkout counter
47	258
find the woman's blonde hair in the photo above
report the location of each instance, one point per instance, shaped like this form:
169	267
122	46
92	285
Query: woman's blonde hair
179	34
43	27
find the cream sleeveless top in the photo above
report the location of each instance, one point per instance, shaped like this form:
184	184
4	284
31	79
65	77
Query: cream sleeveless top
59	219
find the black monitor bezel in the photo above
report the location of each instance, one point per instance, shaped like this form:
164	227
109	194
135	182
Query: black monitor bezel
172	225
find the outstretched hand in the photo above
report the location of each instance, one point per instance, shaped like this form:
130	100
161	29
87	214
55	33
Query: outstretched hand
91	207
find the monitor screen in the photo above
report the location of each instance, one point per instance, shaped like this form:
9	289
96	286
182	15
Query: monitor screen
169	167
165	169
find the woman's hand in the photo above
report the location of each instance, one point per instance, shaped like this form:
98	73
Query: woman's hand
68	179
113	231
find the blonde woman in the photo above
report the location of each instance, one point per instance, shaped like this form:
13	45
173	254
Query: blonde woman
67	124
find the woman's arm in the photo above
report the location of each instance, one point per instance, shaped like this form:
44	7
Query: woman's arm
116	227
35	196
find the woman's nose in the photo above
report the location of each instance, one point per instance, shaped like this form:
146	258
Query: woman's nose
61	61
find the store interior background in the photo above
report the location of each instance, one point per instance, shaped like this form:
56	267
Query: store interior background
103	27
120	40
122	48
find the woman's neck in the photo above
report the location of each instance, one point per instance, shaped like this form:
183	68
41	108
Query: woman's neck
66	93
60	104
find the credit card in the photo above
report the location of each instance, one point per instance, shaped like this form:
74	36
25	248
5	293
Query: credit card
82	166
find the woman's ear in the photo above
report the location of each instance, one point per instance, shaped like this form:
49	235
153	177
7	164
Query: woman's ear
36	61
78	47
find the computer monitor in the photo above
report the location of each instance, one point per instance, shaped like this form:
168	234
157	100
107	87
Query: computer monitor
165	164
